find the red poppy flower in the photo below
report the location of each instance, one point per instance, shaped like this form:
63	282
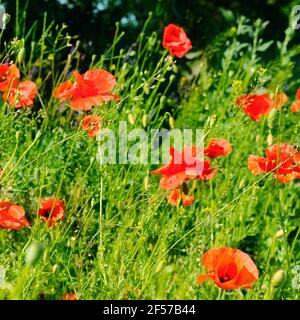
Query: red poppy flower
176	40
9	77
182	167
90	89
51	210
91	124
298	94
187	200
64	91
69	296
255	106
176	195
12	216
280	99
229	268
217	147
282	159
295	106
22	95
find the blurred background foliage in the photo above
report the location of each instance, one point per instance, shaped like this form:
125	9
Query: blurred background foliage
94	20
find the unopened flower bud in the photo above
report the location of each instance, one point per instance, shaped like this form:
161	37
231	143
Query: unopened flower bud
211	120
279	234
34	253
172	122
146	183
131	119
20	56
270	139
146	88
278	278
145	120
5	20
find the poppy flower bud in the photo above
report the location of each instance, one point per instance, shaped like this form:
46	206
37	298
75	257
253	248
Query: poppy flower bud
257	138
279	234
20	55
145	120
172	122
172	76
146	88
162	99
131	119
278	278
270	139
55	267
146	183
39	82
5	20
34	253
211	120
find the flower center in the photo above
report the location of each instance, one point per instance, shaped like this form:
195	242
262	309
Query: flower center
227	272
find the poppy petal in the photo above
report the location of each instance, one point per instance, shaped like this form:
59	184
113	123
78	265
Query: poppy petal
172	182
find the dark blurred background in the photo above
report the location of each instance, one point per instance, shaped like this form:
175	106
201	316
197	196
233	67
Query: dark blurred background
94	20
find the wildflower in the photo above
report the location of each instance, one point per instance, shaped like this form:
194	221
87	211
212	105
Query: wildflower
295	106
176	195
91	124
64	91
90	89
229	268
217	147
176	40
279	100
255	106
182	167
51	210
281	159
9	77
22	95
132	293
69	296
12	216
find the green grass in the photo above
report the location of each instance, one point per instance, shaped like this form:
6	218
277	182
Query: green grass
119	231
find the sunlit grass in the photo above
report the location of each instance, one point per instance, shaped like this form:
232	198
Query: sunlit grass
119	233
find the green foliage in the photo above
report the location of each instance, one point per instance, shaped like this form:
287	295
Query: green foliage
119	232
